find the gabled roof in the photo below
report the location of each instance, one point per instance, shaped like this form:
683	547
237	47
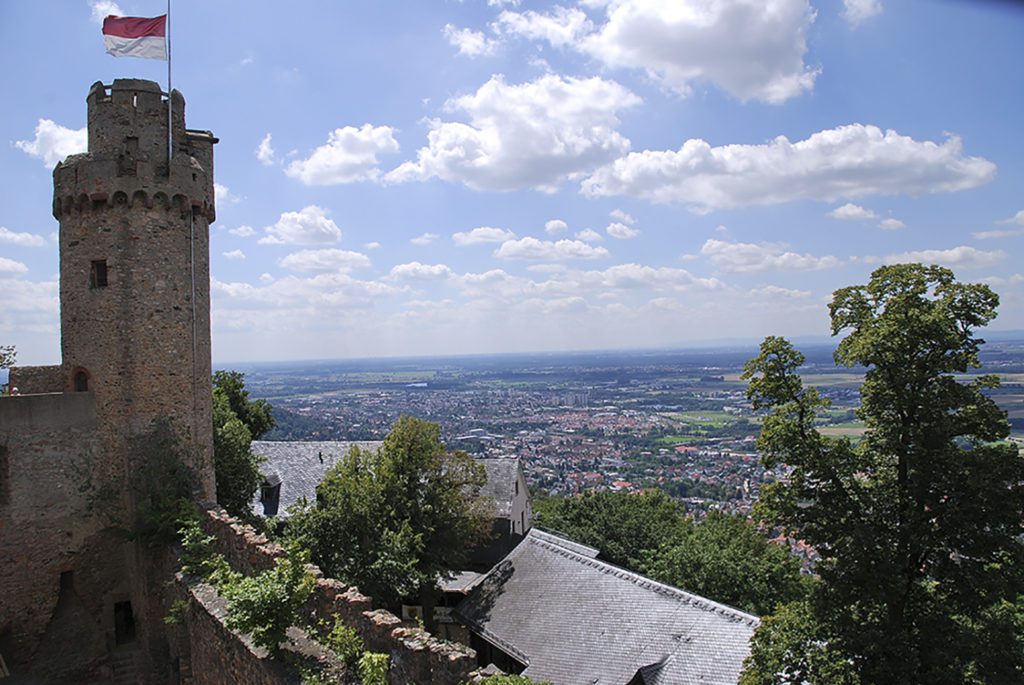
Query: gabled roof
574	619
502	473
299	467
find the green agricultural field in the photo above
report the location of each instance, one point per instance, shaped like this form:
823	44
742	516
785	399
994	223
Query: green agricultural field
850	429
704	419
670	440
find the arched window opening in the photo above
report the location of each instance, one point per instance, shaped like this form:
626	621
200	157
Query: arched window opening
81	381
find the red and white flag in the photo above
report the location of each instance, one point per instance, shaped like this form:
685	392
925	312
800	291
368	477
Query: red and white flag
136	36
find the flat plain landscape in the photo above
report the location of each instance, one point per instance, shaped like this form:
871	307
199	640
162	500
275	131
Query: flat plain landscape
632	420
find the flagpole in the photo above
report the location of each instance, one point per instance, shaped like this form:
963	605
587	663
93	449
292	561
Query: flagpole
170	99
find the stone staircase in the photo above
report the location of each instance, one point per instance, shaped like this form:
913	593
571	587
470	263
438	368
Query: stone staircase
125	668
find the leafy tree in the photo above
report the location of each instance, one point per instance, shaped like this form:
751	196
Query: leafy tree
790	648
919	524
626	528
723	557
7	355
266	605
728	559
235	466
393	520
255	414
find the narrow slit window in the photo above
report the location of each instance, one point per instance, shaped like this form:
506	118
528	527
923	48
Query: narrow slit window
81	381
98	274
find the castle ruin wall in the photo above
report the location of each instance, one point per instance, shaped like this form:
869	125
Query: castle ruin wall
416	656
35	380
61	569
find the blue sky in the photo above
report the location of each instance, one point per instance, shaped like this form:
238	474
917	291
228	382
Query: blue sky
420	178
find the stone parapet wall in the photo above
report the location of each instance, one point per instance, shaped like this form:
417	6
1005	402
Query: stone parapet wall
217	655
33	380
416	655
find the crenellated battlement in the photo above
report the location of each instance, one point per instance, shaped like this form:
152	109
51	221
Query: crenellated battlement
128	153
127	195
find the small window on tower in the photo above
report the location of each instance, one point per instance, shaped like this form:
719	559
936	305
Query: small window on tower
98	274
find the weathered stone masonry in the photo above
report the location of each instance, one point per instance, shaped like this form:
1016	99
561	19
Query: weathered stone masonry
79	603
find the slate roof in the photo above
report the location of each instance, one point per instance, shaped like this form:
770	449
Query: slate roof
298	467
501	483
576	620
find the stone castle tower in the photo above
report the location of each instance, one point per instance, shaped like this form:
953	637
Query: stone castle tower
134	266
79	602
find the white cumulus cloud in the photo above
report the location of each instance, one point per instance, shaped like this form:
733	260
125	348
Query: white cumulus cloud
846	162
9	266
223	195
963	256
852	212
855	12
556	226
53	142
424	239
750	257
623	217
547	250
102	8
619	230
1017	218
326	260
242	231
752	49
415	271
891	224
234	255
564	26
482	234
469	42
589	235
350	155
21	239
531	135
998	233
265	151
774	292
308	226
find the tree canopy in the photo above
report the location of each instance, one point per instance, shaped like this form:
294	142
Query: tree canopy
392	521
7	355
235	466
626	528
918	525
723	557
726	558
255	414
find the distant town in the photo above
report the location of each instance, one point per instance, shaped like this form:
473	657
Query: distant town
628	421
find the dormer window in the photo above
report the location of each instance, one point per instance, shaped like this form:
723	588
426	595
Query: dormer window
270	494
98	273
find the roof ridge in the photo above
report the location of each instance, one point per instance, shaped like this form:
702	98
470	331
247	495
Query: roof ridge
640	580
